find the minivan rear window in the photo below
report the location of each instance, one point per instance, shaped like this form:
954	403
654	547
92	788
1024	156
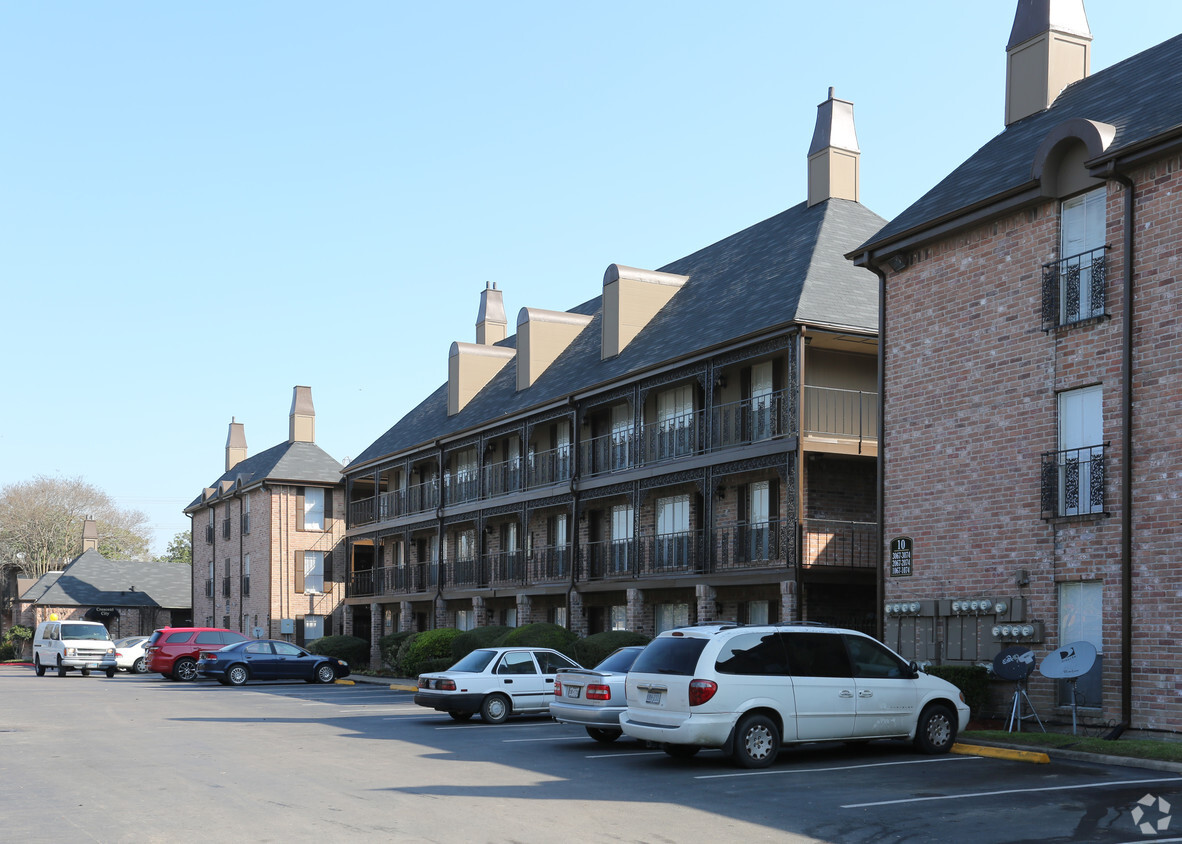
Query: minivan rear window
670	655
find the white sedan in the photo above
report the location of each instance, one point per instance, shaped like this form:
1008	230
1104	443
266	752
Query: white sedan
496	682
129	654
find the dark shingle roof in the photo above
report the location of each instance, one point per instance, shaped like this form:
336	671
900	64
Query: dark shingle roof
91	580
1141	97
34	592
296	462
785	270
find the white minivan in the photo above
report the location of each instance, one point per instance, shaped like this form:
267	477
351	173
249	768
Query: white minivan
751	689
65	645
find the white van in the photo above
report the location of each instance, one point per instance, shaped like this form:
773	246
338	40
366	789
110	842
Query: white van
750	690
85	645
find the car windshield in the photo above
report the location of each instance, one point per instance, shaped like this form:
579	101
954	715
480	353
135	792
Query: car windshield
475	661
620	661
84	631
670	655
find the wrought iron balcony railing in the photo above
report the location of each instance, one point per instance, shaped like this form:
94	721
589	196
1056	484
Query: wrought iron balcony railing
1073	288
1073	482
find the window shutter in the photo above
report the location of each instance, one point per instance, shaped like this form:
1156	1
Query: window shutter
299	510
299	575
299	625
327	567
327	507
741	499
773	500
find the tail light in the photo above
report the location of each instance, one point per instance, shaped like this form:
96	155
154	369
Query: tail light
424	683
597	691
701	691
446	685
557	688
208	656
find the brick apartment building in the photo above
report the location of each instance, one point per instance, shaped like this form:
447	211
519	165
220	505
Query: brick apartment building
1032	351
267	536
695	443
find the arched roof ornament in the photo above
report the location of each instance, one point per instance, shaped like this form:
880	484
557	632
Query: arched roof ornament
1094	135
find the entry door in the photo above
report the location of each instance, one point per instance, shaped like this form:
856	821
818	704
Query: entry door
758	516
761	401
1081	438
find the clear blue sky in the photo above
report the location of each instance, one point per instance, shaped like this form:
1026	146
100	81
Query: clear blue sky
203	205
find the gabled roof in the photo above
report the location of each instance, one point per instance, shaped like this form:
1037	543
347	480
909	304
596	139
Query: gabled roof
783	271
298	462
1141	97
92	580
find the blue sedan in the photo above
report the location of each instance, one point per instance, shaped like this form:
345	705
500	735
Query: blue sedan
269	659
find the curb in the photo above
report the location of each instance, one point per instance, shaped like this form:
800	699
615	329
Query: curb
1072	755
1001	753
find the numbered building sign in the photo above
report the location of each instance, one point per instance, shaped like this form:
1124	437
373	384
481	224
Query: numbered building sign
901	557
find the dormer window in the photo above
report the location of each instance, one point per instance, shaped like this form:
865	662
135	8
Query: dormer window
1074	286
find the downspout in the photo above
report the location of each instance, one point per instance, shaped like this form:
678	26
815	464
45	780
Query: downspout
1126	455
880	577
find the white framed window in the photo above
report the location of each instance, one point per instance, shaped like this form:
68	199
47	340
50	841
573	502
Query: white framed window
313	627
465	619
1081	619
669	616
675	422
313	508
622	534
511	617
246	513
761	401
246	575
757	612
1082	232
1081	452
621	436
673	532
313	572
619	617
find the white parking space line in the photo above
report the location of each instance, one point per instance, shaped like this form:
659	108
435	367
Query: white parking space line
976	794
773	771
499	726
633	753
548	738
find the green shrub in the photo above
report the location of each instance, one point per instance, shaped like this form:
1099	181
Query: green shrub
351	649
541	635
437	664
388	646
427	645
592	650
7	652
403	649
973	680
17	634
481	637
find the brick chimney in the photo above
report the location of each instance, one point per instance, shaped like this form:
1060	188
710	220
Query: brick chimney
89	535
235	445
301	427
1050	47
834	156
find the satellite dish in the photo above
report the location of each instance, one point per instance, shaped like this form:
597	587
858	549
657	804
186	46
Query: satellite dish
1073	660
1014	663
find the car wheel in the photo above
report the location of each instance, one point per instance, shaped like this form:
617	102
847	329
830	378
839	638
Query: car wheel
936	730
325	673
602	735
139	666
681	751
757	742
461	716
236	675
61	669
85	672
110	673
38	667
495	709
184	670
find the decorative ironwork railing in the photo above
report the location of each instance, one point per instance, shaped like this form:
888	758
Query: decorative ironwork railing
1073	288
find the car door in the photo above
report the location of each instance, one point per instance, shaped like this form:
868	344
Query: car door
822	685
522	681
550	664
885	688
260	659
292	663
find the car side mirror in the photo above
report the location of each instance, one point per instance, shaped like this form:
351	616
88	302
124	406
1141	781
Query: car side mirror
914	666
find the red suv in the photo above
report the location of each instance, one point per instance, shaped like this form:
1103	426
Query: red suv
172	651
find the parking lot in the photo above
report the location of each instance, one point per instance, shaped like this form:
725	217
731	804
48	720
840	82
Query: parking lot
138	758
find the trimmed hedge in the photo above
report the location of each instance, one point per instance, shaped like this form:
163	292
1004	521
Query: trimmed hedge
541	635
351	649
388	647
973	680
480	637
426	646
592	650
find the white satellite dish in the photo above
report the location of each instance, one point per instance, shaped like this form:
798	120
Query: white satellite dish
1073	660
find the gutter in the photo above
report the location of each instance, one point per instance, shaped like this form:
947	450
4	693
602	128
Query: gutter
1126	452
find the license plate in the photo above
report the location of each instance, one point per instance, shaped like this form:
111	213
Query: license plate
573	691
654	698
93	665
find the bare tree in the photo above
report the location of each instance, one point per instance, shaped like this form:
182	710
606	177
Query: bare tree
41	524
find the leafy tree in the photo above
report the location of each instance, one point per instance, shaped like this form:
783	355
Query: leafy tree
41	524
180	550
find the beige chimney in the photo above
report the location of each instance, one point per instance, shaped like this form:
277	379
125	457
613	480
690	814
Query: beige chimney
470	366
541	337
631	298
491	323
89	535
235	444
1050	47
301	426
834	154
